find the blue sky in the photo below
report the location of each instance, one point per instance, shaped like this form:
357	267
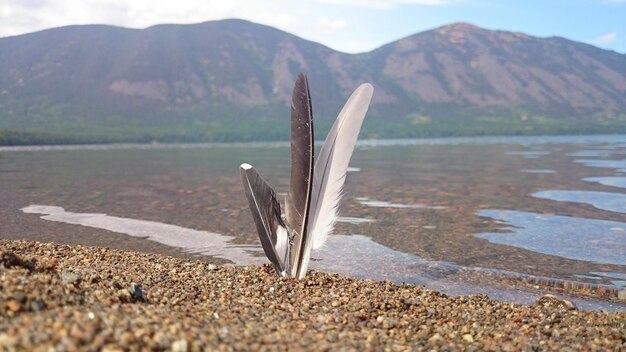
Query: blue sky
345	25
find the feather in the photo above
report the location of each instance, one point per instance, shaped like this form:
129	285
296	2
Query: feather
267	217
330	171
299	195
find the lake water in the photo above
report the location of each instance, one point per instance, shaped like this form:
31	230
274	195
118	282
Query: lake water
511	217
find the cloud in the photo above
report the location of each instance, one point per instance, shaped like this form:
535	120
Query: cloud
385	4
5	11
22	16
605	38
306	19
335	23
328	26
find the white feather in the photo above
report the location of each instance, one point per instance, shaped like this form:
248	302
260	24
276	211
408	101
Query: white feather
282	246
330	170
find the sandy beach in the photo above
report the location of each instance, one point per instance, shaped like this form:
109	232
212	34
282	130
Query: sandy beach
87	298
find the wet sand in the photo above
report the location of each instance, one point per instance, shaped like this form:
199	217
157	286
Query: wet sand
70	297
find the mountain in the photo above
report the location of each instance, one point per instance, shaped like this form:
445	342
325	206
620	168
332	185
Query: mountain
232	80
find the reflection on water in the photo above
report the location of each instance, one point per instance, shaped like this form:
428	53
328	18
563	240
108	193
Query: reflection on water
602	200
599	241
621	276
191	241
353	255
531	154
609	164
353	220
385	204
618	279
608	181
591	153
539	171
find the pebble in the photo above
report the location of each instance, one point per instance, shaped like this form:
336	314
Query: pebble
132	301
553	301
468	337
70	277
136	293
180	346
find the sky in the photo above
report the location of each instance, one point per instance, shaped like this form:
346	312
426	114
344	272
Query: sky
346	25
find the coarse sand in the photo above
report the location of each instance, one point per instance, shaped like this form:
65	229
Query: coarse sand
66	298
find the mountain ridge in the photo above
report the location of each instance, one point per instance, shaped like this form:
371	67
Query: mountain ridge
212	80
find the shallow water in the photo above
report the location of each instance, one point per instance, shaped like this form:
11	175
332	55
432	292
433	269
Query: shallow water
439	212
609	201
598	241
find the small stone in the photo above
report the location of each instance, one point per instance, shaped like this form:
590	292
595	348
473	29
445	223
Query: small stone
124	296
212	267
111	349
7	340
436	337
180	346
48	264
136	293
37	305
69	277
14	305
468	338
9	260
20	297
552	301
76	332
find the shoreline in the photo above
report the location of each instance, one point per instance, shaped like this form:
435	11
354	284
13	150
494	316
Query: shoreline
449	278
371	142
95	298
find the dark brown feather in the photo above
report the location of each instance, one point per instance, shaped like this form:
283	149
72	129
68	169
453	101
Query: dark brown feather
299	196
266	214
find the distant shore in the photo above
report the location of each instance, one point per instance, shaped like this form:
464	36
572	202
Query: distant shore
373	142
70	297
